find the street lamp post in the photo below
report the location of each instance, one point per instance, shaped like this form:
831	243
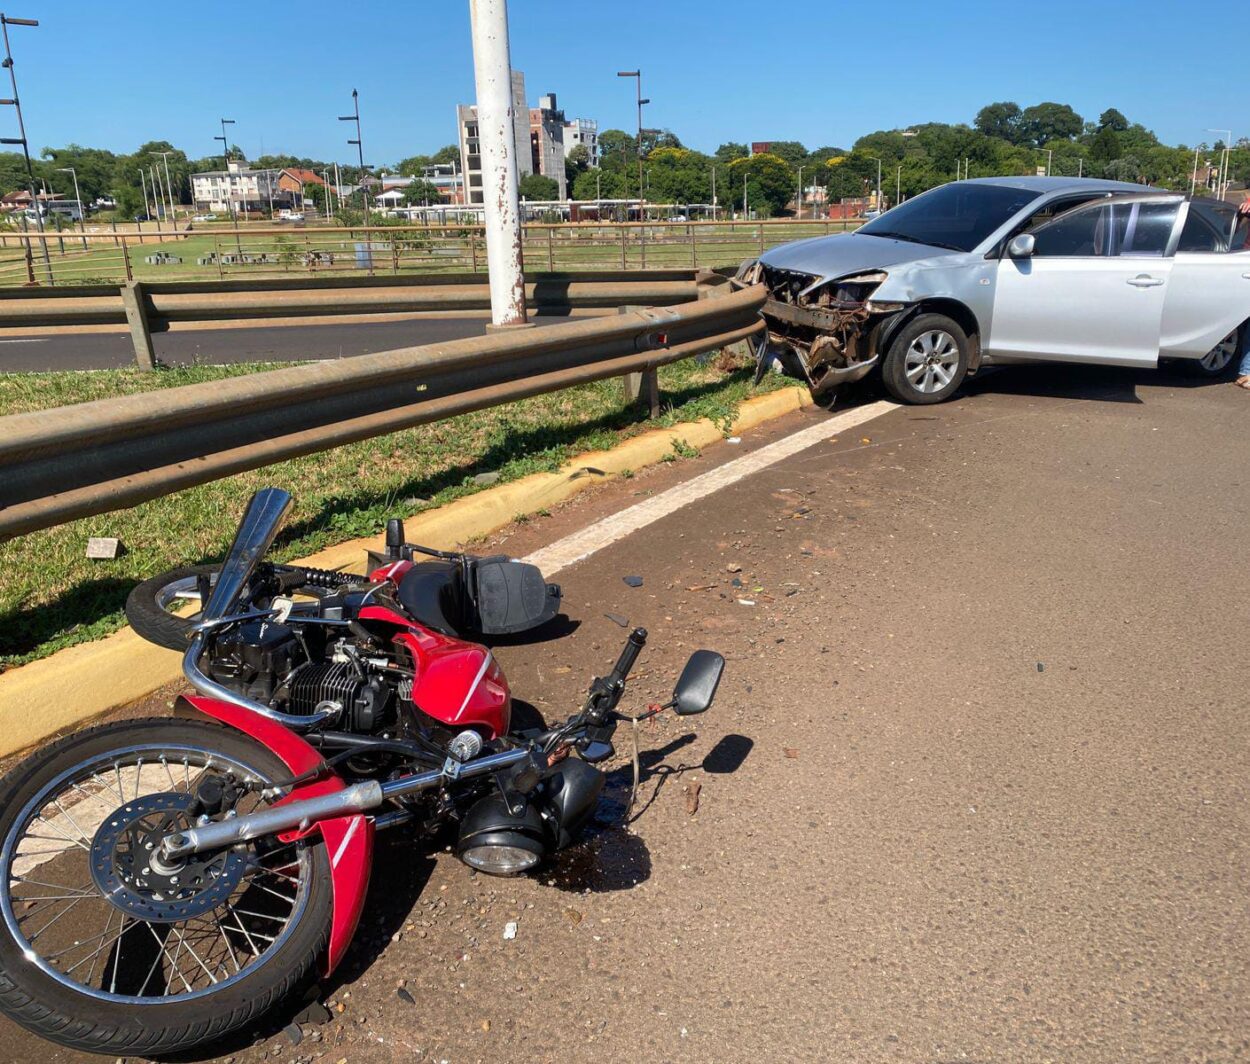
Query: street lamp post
898	186
1225	158
5	23
637	76
225	157
713	193
78	200
360	151
169	187
800	201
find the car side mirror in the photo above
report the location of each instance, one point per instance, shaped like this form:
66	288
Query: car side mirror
696	686
1021	246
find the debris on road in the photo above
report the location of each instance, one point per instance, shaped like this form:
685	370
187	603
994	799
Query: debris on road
404	995
616	618
633	581
692	790
509	930
790	751
103	548
746	602
733	567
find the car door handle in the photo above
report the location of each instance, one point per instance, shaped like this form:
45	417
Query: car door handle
1144	280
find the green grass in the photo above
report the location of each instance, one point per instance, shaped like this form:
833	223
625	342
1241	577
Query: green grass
52	597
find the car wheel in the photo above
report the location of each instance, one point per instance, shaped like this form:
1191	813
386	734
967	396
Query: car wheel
927	361
1219	360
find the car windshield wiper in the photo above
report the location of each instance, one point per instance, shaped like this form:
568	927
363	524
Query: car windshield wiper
916	240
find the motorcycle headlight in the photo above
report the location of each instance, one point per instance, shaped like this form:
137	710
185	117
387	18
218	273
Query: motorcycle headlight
496	859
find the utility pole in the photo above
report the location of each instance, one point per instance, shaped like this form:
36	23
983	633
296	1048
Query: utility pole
637	76
77	199
1050	158
746	216
1193	178
1221	186
800	203
5	23
360	152
492	72
898	186
225	156
143	183
154	177
713	193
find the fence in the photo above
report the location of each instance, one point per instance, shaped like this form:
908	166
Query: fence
61	464
94	256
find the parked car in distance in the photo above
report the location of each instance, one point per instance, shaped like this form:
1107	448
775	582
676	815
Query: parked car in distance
1008	270
204	218
871	213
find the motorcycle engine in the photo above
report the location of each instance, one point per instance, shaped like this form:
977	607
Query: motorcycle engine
366	699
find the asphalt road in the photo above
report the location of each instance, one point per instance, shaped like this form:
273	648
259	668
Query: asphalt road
77	351
973	790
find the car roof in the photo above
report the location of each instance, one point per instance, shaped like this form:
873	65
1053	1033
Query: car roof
1062	184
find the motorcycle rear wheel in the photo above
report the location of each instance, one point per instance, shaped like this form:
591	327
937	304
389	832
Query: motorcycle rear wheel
151	981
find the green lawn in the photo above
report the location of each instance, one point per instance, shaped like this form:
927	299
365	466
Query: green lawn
51	596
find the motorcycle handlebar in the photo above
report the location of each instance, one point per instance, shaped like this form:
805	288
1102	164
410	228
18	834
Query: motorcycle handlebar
629	655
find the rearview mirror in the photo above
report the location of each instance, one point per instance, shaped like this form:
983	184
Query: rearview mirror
1021	246
696	687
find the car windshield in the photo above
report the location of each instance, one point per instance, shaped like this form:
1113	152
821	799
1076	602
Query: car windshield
957	216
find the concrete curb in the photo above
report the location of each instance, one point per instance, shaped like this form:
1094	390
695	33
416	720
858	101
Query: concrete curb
75	685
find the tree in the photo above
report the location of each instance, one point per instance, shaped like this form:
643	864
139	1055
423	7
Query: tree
791	151
419	192
730	151
577	161
412	166
769	181
539	187
1049	121
448	154
1113	120
1000	120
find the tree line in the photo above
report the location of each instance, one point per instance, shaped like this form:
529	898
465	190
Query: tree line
1003	139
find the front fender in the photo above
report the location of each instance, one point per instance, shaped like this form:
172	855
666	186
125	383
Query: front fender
348	839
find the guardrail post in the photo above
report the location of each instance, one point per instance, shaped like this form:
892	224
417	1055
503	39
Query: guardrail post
130	273
694	254
551	248
473	249
137	319
760	227
644	384
623	231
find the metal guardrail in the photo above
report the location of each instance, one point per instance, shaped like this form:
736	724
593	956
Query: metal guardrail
70	462
148	307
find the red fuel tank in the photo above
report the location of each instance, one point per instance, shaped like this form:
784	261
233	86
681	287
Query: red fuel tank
457	683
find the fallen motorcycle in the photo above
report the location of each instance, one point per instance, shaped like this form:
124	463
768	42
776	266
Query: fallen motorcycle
167	881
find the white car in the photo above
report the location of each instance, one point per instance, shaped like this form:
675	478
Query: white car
1010	269
204	218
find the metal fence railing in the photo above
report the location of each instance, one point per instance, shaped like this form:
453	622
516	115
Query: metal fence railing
101	255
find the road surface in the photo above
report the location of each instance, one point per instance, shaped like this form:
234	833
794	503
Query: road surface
78	351
973	789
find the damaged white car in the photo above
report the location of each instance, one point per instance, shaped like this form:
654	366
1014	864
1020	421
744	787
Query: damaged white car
1003	270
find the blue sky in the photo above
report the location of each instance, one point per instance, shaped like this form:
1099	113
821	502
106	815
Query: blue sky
104	75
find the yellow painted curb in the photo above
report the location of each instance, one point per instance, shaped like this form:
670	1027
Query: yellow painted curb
79	683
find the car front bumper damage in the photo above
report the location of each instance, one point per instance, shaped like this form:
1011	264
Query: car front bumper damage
813	334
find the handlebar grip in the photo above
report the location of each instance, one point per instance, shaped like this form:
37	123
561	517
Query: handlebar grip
629	655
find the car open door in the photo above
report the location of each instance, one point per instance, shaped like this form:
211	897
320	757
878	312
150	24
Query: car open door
1209	291
1093	287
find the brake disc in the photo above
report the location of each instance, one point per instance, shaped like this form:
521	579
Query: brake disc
127	870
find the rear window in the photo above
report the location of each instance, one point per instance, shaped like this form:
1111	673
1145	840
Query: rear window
958	216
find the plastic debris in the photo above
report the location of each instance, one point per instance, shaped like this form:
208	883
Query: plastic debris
633	581
509	930
616	618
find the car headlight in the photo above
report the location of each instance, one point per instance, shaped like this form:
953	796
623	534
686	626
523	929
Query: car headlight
856	289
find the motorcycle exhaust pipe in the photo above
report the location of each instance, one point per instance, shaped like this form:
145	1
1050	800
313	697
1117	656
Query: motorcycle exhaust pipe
358	798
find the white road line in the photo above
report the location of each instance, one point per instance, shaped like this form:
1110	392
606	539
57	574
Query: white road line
582	544
32	340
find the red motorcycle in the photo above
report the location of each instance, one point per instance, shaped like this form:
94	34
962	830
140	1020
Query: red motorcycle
167	881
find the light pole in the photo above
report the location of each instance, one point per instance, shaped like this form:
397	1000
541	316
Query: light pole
77	199
5	23
713	193
169	188
878	162
360	151
746	216
1050	158
800	203
1225	158
898	186
637	76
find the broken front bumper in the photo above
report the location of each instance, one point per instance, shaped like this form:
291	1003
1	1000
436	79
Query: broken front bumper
827	346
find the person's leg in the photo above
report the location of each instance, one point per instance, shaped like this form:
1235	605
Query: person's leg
1243	371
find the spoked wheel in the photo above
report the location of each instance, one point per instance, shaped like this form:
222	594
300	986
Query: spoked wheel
104	947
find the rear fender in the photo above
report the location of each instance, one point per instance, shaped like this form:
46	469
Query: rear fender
348	839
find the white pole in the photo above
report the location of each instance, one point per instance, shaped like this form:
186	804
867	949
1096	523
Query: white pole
492	69
800	204
1193	178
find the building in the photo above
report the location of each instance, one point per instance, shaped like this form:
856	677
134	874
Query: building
295	180
583	131
470	147
547	141
240	188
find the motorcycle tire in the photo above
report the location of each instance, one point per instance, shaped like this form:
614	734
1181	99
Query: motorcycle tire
38	987
146	606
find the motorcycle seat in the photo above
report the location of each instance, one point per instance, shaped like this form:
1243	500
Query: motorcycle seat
430	592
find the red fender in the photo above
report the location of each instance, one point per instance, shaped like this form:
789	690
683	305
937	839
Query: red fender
349	839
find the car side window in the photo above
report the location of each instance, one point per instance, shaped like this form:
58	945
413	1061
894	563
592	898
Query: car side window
1109	229
1213	227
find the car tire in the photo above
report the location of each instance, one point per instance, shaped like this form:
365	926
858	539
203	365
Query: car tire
1219	362
927	360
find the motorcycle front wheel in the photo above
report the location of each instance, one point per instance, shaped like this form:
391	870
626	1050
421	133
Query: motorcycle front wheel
104	949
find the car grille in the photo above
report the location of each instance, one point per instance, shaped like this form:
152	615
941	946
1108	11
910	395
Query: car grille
785	285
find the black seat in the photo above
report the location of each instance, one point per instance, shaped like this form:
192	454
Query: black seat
431	593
